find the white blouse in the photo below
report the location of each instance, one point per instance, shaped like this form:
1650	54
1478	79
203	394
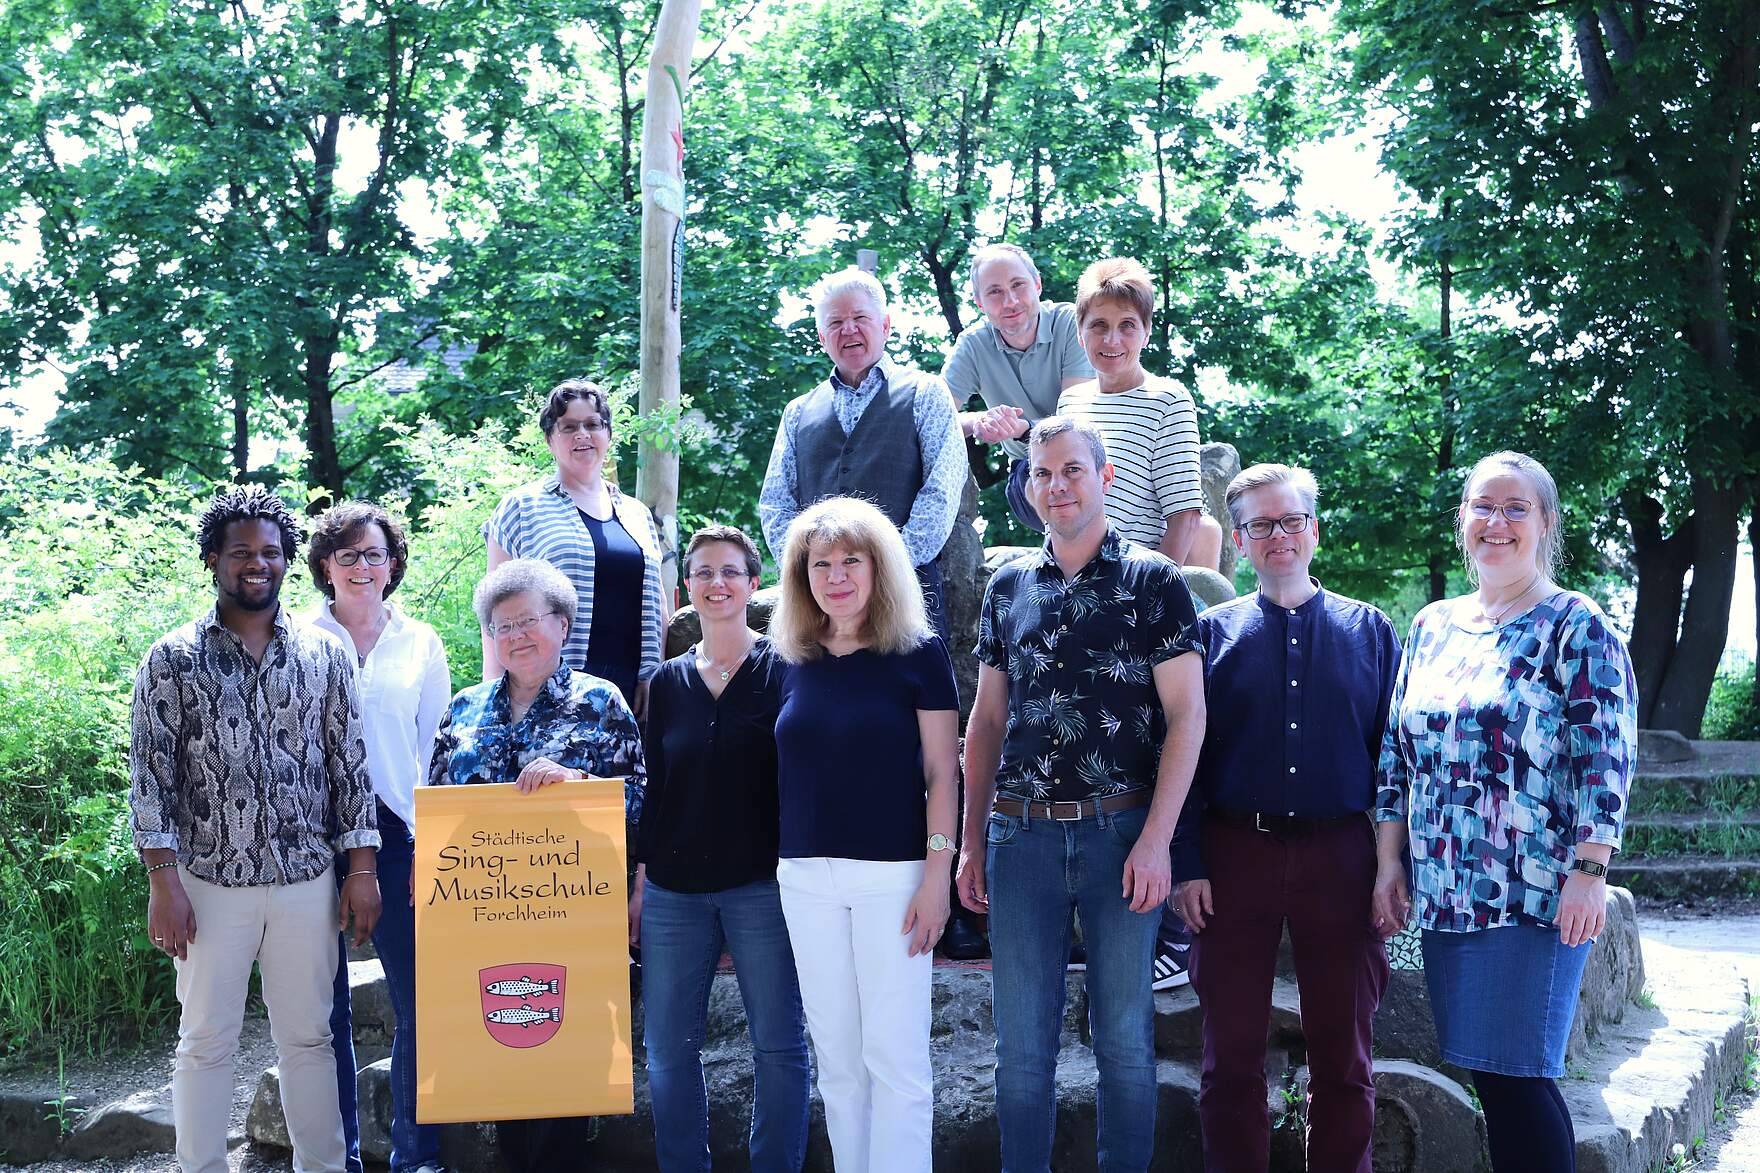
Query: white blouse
405	686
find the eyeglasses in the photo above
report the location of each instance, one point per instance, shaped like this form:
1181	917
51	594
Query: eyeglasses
1514	512
512	627
1289	523
576	427
372	556
704	575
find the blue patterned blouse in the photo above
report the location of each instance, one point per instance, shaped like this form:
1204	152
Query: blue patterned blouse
576	720
1507	745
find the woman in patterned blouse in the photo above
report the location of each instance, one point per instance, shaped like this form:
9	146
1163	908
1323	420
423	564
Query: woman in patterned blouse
537	722
1509	750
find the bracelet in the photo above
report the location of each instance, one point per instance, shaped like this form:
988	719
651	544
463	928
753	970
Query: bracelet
154	867
362	872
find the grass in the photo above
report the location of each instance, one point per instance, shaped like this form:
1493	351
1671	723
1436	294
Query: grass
1728	794
1729	837
1646	999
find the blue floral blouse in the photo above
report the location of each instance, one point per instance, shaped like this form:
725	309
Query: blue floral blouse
576	720
1507	745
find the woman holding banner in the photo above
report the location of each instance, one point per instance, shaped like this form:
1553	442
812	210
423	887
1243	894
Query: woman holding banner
867	770
707	872
539	721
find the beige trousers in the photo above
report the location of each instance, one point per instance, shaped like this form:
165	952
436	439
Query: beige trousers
290	931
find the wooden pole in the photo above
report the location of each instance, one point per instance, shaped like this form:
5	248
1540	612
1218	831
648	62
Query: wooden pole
663	205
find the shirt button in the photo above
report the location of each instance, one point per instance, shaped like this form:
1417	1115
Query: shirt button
1060	663
1292	724
1292	639
1292	769
1292	684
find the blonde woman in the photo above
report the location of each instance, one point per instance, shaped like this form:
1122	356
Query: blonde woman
867	761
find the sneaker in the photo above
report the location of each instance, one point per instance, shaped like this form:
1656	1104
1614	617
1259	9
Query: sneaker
1078	956
1170	967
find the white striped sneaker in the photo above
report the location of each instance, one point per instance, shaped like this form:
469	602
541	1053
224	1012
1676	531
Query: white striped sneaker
1170	966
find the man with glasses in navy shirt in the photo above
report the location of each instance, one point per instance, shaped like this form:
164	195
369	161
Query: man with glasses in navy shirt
1297	684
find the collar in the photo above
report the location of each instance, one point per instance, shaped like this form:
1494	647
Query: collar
211	621
1039	336
325	617
555	690
1315	602
876	379
553	484
1111	550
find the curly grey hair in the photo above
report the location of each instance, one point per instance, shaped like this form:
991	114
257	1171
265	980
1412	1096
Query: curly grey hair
519	575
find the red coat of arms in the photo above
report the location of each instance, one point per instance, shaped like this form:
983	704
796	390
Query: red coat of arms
522	1002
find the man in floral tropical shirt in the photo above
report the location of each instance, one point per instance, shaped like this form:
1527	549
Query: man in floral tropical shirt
1086	727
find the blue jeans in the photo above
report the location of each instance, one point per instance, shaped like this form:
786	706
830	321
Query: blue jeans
394	937
682	938
1038	872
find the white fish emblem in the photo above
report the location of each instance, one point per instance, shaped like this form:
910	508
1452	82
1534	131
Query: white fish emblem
524	1015
522	987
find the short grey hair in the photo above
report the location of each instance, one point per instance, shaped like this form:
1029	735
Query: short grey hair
850	280
1053	426
1551	552
997	252
1262	476
519	575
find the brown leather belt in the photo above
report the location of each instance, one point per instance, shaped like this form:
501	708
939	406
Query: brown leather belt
1070	812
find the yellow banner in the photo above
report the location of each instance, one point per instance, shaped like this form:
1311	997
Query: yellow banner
522	953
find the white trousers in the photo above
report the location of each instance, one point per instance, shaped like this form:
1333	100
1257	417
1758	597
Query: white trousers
867	1006
290	930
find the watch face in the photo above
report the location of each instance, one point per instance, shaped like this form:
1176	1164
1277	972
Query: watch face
939	843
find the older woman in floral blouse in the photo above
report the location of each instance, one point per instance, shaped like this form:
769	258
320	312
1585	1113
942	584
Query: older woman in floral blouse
538	722
1509	750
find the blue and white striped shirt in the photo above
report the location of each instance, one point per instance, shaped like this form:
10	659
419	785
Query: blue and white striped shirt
540	520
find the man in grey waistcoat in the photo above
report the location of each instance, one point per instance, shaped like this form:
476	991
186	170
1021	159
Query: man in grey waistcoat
873	429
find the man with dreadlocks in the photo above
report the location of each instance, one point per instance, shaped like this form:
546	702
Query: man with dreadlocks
249	775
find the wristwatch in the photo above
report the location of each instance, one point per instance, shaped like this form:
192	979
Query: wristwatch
1590	868
940	842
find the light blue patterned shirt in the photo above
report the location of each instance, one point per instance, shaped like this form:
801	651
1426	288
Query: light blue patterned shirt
576	720
944	463
1507	745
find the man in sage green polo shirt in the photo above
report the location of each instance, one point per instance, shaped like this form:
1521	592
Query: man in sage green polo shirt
1019	359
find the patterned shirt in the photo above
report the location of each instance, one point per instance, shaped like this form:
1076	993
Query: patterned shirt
1507	746
1084	718
1152	441
576	720
253	773
944	463
540	520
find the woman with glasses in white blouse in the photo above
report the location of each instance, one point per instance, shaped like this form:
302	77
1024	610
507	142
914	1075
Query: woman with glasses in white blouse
357	557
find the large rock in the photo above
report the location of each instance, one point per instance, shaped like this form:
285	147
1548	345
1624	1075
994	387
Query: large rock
1424	1122
1179	1021
29	1130
266	1123
1219	464
139	1124
1659	746
961	560
1613	977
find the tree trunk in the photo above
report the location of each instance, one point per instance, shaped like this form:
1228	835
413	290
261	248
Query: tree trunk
241	424
1680	700
1439	559
323	463
669	71
1662	565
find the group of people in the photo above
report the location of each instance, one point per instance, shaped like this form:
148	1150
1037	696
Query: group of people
1182	785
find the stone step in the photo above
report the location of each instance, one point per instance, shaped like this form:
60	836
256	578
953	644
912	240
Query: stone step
1665	794
1708	833
1654	1079
1689	879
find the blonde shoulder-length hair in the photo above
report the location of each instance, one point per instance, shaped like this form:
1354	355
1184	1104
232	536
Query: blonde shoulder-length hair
896	621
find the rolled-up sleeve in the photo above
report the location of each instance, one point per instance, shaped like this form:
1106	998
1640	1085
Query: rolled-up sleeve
351	788
1601	709
155	731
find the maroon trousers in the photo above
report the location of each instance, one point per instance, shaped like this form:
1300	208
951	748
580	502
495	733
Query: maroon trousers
1321	883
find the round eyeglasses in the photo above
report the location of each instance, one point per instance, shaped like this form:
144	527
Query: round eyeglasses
1289	523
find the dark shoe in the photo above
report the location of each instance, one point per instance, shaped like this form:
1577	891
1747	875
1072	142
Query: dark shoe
963	940
1078	956
1170	966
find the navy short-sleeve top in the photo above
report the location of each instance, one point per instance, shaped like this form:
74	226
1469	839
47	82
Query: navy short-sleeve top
849	754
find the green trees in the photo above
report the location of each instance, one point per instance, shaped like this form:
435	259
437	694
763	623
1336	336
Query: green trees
1591	169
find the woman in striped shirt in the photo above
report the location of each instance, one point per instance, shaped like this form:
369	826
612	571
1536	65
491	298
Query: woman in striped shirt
1150	423
605	541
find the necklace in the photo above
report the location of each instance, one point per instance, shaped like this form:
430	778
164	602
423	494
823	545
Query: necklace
726	673
1509	603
